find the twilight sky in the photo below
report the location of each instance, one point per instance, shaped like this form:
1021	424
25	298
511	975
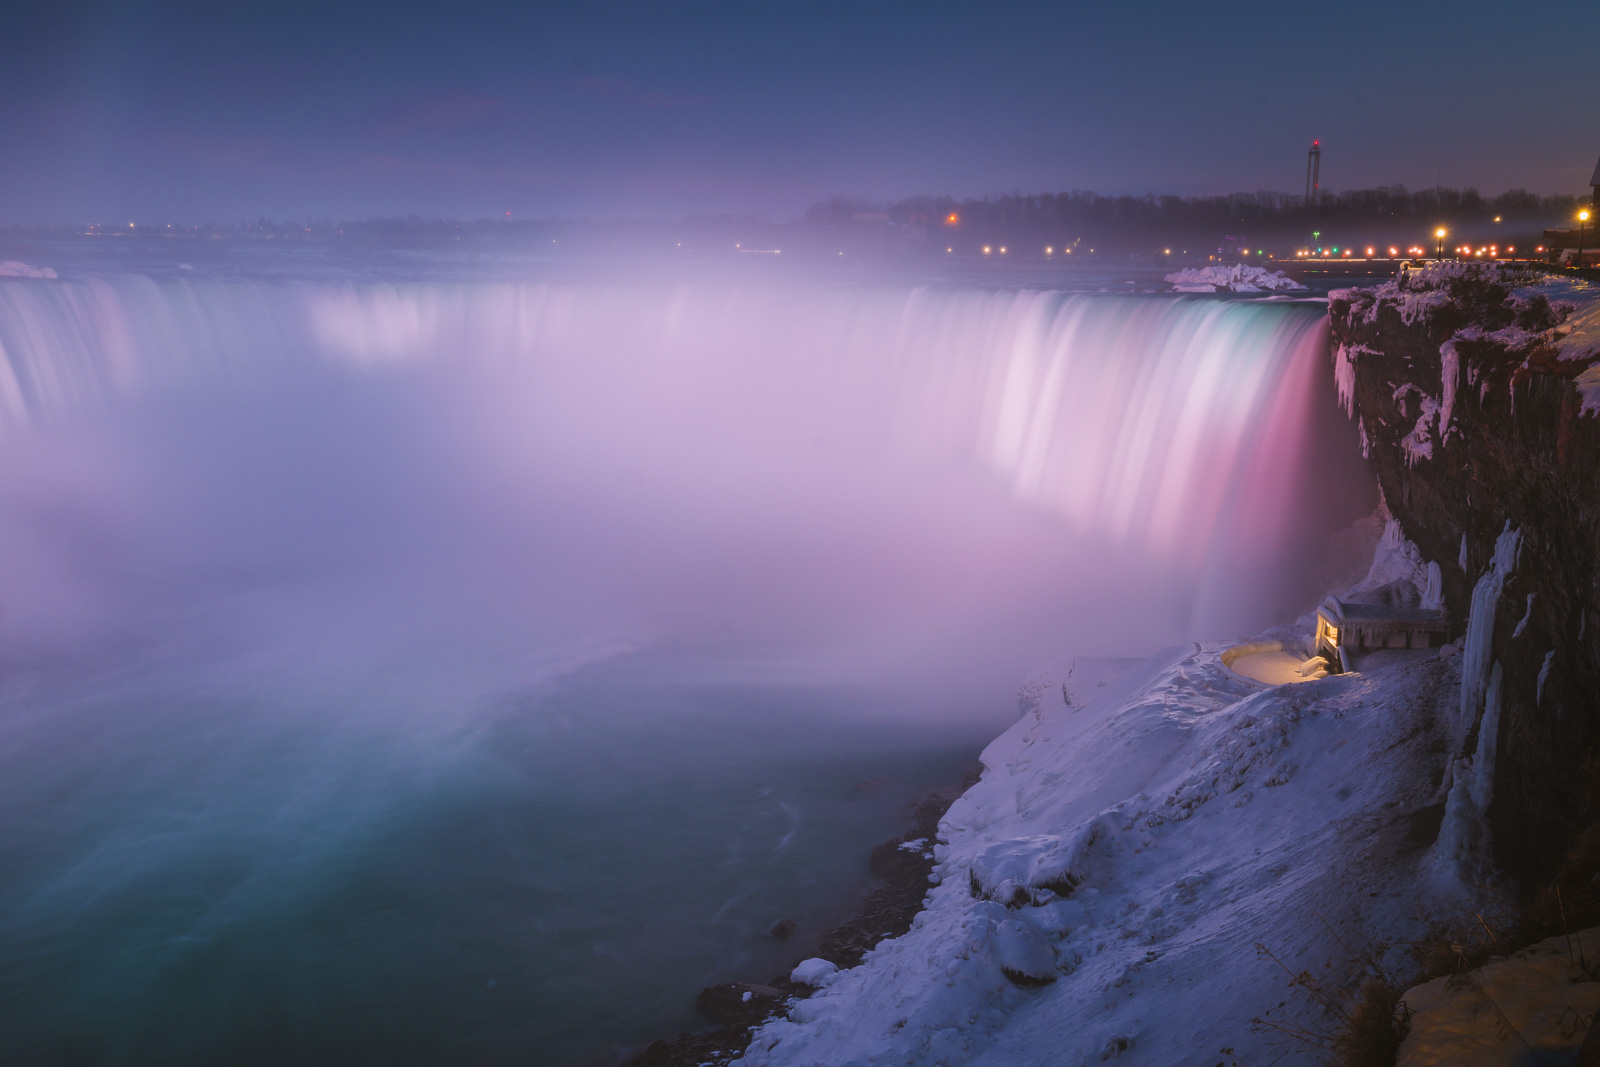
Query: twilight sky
182	112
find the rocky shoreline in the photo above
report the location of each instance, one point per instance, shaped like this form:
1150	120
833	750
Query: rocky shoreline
736	1009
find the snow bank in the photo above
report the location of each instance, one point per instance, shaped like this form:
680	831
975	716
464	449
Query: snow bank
1103	888
12	268
1238	277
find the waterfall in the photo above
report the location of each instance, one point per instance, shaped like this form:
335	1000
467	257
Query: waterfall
1179	426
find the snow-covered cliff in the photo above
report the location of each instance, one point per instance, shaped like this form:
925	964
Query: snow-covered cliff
1103	890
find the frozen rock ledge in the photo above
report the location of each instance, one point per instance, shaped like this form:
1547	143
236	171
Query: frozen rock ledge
1239	277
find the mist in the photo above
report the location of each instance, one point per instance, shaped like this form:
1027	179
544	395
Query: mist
305	581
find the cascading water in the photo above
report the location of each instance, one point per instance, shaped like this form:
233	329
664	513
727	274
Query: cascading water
447	669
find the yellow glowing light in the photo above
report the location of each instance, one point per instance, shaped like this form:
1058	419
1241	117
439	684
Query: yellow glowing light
1394	251
949	250
952	218
1002	250
987	250
1369	251
1049	251
1438	232
1583	216
1497	218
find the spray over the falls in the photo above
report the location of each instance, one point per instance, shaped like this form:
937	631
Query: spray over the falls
366	643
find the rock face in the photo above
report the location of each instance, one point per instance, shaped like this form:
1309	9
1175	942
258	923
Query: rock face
1470	385
1535	1006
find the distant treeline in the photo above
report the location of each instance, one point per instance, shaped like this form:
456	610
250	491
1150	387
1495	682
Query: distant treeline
1138	225
1067	216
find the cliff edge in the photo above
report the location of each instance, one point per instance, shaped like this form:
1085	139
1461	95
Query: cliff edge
1477	390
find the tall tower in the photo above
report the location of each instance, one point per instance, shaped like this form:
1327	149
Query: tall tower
1314	173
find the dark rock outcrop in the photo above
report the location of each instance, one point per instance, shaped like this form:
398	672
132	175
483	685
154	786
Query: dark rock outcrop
739	1003
1471	415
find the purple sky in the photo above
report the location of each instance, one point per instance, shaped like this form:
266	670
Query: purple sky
184	112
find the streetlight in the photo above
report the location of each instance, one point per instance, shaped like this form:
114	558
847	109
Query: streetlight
1583	217
1439	233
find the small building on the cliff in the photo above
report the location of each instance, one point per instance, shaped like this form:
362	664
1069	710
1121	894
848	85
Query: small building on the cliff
1346	630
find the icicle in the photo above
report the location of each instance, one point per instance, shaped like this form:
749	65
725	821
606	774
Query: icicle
1449	371
1480	625
1527	613
1433	596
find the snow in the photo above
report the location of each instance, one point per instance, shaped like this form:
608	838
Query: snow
1525	1008
1418	444
1578	338
1239	277
12	268
1588	384
1393	559
814	972
1102	889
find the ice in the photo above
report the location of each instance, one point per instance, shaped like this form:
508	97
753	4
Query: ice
1527	613
1463	836
1449	372
12	268
1433	590
1480	624
1344	379
1239	277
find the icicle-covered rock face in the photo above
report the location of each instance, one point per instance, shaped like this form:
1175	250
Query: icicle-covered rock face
1470	384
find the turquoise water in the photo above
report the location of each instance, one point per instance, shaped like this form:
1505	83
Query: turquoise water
196	877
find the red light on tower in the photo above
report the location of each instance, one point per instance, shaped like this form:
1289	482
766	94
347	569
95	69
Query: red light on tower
951	219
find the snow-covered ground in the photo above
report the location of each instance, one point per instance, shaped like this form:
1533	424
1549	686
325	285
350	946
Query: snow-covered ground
1103	890
1239	277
